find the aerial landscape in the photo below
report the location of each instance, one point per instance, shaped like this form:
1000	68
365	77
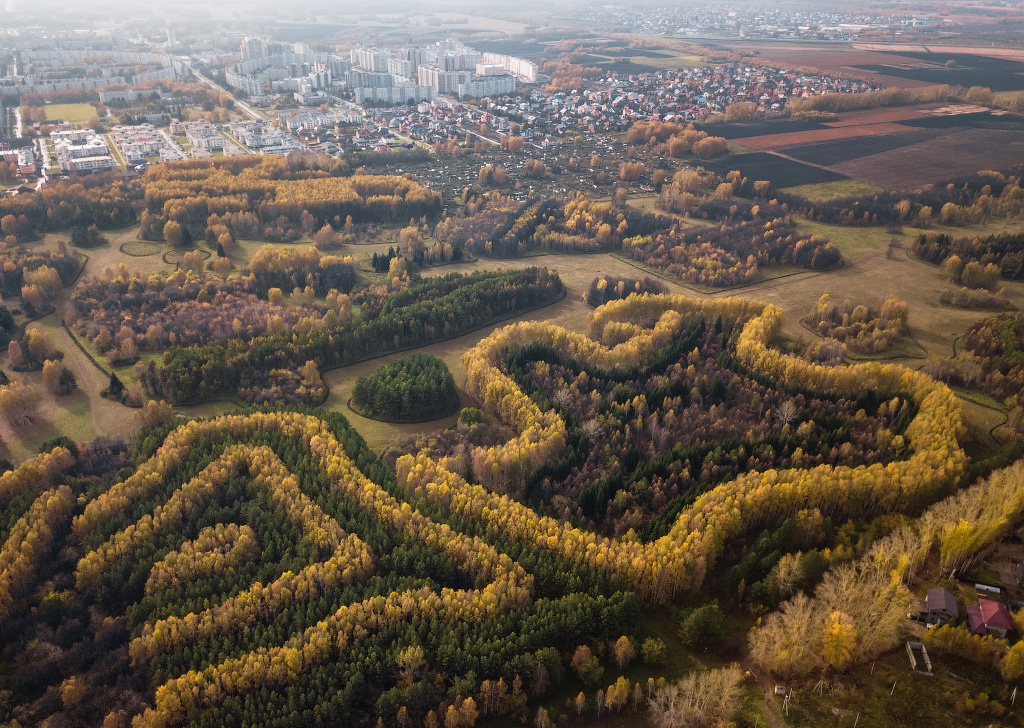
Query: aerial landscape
548	364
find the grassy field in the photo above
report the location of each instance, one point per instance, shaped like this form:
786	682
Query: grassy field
667	60
115	151
74	113
82	415
841	188
735	147
893	696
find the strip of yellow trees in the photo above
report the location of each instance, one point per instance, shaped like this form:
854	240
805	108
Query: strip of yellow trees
623	333
500	583
680	559
859	610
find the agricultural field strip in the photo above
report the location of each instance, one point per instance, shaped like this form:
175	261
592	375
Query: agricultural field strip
1011	54
833	153
799	138
877	116
937	159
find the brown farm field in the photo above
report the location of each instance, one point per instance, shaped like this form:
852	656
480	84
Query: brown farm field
900	148
827	57
878	116
797	138
937	159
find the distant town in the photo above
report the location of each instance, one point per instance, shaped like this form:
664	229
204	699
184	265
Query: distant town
131	103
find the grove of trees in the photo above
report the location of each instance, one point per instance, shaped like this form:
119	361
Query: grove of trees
862	328
264	368
417	387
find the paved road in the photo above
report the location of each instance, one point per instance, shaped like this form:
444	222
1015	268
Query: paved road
242	106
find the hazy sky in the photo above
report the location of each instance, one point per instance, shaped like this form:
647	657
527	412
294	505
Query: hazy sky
246	15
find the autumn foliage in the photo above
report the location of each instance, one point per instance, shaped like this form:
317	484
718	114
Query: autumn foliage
266	562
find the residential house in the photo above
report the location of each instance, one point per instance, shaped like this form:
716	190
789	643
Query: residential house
989	617
940	607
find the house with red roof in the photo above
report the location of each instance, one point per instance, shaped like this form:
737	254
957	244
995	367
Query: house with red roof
989	617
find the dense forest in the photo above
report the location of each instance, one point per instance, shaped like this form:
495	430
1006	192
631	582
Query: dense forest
967	199
676	140
997	345
264	568
864	329
646	441
1005	251
430	310
732	254
104	200
255	197
184	597
181	308
495	225
36	276
271	197
413	388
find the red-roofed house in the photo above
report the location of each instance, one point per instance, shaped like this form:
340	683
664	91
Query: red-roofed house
989	617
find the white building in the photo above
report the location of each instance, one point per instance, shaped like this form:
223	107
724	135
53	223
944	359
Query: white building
400	93
78	154
444	82
524	70
488	86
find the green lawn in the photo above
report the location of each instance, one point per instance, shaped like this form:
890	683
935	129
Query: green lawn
115	152
854	242
74	113
828	190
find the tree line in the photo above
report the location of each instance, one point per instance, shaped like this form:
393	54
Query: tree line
430	310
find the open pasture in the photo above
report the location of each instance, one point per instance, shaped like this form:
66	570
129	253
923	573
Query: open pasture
842	188
73	113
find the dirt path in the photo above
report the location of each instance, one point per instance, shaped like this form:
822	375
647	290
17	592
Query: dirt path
108	418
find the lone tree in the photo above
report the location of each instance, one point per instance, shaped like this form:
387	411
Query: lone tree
115	388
